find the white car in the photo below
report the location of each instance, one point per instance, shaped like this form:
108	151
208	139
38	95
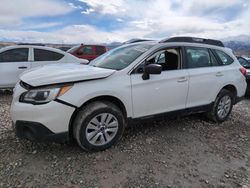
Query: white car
94	103
14	60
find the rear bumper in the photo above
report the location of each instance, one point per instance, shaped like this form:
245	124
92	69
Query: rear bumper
37	132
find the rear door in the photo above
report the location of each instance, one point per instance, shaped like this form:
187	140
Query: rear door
45	57
206	76
13	62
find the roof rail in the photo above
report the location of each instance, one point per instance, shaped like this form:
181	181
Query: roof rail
136	40
194	40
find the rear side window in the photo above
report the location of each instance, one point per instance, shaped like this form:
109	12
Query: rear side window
87	50
46	55
200	57
15	55
224	58
100	50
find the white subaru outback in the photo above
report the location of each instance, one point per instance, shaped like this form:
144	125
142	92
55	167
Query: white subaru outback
94	103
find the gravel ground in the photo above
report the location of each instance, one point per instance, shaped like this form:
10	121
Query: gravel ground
181	152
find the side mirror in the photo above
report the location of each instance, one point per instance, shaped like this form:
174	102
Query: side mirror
151	69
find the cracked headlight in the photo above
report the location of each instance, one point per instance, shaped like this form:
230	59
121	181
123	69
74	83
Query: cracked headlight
43	95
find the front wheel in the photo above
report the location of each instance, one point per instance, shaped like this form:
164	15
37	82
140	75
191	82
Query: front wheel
222	106
98	126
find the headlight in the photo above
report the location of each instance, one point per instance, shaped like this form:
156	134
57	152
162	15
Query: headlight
43	95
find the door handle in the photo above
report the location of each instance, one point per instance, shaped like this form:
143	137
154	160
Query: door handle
22	67
218	74
182	79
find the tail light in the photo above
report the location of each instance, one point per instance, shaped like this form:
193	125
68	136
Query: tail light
243	71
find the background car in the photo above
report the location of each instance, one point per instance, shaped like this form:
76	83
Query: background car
246	64
88	52
14	60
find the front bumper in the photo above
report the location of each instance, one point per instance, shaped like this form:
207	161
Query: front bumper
43	121
37	132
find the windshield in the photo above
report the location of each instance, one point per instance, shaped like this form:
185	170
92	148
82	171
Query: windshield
244	62
120	58
73	49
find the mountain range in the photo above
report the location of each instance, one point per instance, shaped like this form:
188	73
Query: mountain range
239	44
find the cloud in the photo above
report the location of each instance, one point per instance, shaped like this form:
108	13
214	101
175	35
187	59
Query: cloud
119	20
70	34
35	26
146	19
88	11
105	7
13	12
75	6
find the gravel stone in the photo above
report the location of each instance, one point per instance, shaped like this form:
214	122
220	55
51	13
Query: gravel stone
174	152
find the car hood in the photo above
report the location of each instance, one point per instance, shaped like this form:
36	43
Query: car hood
63	73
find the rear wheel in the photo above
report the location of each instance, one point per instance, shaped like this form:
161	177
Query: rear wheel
98	126
222	106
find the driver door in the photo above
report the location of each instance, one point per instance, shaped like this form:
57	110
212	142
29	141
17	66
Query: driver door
160	93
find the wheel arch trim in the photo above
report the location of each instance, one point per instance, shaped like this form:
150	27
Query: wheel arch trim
120	104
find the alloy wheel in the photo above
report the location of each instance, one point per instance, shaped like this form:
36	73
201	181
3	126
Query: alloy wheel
224	106
102	129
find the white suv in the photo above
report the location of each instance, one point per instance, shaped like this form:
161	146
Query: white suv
94	103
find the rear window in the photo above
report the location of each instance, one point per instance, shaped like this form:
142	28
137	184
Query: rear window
224	58
87	50
46	55
100	50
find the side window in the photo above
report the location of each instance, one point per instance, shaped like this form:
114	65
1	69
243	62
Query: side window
200	57
169	60
213	59
15	55
225	59
87	50
46	55
100	50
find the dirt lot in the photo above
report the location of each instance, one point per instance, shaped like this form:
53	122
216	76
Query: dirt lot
182	152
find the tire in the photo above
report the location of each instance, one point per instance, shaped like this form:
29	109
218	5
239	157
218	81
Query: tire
216	113
90	130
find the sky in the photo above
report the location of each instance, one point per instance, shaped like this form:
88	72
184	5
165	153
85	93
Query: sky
106	21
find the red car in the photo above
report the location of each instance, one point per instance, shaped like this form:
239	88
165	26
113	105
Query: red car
88	52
